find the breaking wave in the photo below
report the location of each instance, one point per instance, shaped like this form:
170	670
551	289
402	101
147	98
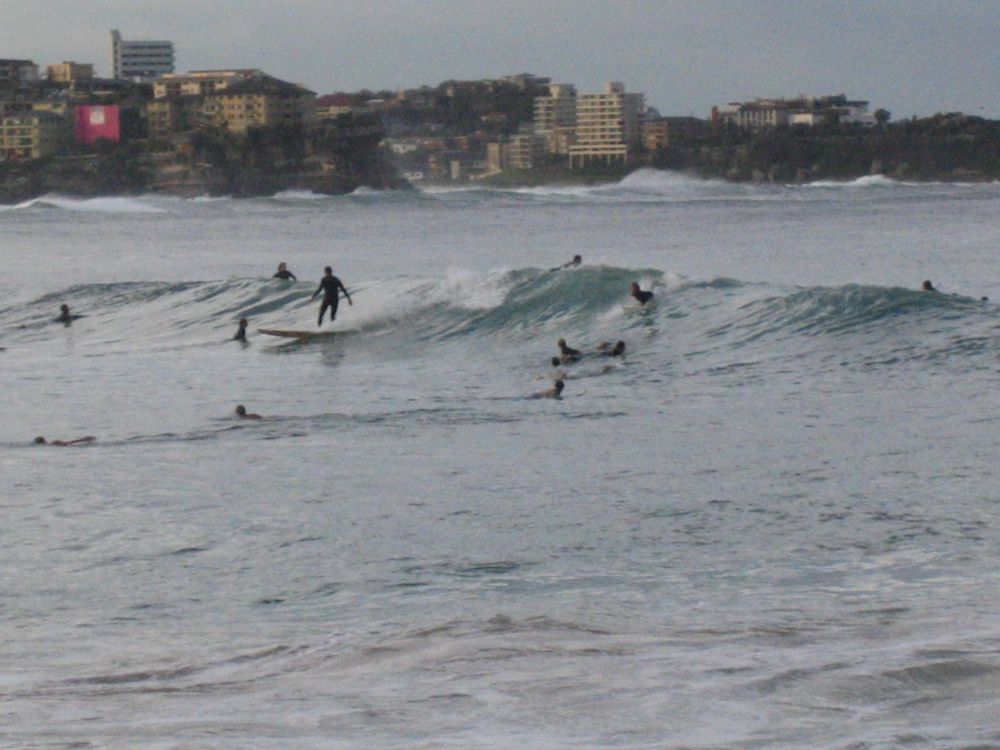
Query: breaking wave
719	319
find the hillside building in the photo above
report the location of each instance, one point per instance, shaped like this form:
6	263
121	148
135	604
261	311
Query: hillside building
555	118
69	73
260	102
140	60
17	74
764	114
33	135
201	82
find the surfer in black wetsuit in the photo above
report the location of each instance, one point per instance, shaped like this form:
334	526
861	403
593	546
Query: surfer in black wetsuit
330	286
928	286
242	413
567	351
241	333
65	316
639	294
283	273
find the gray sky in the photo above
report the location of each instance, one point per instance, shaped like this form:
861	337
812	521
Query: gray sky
913	57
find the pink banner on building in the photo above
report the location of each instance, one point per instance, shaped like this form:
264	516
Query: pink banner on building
94	121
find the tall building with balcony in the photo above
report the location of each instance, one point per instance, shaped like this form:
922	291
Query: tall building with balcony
607	126
140	60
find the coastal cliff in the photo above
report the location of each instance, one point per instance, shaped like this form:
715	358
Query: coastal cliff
208	164
948	148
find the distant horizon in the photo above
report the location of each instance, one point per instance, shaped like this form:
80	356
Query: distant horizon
912	59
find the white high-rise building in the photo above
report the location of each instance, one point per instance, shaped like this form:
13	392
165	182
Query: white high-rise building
140	60
607	126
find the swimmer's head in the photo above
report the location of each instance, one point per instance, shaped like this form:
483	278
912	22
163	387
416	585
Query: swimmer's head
561	343
243	322
241	411
282	267
39	440
559	386
634	286
556	361
928	286
328	271
64	307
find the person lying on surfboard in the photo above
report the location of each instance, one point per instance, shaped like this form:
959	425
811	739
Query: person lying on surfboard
554	392
284	273
242	413
330	286
85	439
605	349
639	294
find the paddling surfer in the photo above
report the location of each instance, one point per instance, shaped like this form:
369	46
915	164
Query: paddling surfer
577	260
242	413
330	285
554	392
85	439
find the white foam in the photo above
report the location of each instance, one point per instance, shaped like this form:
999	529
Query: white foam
116	205
299	195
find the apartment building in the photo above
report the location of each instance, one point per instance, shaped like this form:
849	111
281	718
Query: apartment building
260	102
763	114
607	126
140	60
15	74
555	118
32	135
334	105
70	72
201	82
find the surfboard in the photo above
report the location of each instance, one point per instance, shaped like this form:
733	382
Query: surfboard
288	334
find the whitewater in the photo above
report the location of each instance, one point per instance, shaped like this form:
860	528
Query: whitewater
773	524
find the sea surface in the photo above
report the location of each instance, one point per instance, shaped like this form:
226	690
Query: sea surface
775	523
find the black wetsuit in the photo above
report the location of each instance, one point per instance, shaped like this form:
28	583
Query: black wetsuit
285	275
330	286
241	334
642	296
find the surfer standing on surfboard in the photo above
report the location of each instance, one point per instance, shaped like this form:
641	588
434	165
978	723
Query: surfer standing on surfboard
330	286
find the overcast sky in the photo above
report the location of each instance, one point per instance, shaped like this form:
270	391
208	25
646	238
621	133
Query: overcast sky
912	57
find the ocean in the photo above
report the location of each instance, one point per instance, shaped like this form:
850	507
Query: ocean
773	523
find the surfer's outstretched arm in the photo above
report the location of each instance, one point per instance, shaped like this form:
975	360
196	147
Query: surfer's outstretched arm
318	290
344	288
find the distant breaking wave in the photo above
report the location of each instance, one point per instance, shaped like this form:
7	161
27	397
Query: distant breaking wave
644	186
